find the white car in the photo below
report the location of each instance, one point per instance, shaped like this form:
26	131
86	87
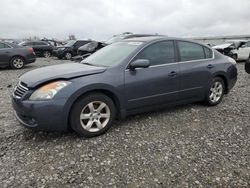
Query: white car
242	50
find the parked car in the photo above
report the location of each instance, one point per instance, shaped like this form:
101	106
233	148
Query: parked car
87	49
237	49
70	49
247	65
15	56
121	79
41	48
227	49
242	50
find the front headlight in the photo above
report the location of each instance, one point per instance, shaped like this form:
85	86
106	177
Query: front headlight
48	91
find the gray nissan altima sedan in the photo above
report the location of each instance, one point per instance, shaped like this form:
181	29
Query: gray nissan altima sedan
124	78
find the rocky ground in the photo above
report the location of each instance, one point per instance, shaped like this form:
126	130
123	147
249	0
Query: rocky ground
185	146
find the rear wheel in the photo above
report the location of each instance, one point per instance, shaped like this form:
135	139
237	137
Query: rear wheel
215	92
17	63
92	115
47	54
68	55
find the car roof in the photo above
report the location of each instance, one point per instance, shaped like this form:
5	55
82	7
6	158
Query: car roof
159	38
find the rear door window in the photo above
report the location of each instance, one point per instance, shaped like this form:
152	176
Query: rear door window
190	51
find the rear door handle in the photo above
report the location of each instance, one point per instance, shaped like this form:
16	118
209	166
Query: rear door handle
210	66
172	74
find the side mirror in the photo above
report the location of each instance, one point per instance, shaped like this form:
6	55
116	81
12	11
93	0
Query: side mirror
139	63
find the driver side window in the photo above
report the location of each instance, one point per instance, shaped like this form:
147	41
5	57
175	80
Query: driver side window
159	53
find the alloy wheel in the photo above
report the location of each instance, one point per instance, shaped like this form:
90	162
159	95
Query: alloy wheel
18	63
95	116
68	55
216	92
47	54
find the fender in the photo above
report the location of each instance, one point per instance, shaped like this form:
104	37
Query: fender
91	88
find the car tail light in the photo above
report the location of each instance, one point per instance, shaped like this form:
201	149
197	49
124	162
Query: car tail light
31	50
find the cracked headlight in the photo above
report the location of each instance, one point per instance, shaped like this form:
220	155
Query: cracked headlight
49	90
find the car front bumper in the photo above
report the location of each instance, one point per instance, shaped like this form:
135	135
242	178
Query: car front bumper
41	115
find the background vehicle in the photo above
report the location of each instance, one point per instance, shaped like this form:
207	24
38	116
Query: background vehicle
87	49
121	79
15	56
227	49
40	48
242	50
238	50
70	49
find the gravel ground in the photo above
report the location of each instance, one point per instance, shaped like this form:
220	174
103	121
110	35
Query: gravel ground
185	146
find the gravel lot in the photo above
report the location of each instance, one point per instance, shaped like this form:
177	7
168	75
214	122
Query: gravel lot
186	146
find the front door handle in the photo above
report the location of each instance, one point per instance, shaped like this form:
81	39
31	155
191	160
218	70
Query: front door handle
210	66
172	74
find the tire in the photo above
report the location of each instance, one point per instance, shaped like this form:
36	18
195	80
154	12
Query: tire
87	120
17	63
68	55
46	54
215	92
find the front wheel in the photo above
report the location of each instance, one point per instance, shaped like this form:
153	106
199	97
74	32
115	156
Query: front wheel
215	92
92	115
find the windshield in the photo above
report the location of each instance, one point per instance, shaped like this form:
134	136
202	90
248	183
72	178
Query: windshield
70	43
113	54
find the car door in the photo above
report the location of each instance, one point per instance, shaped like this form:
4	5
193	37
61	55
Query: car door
4	54
157	84
196	67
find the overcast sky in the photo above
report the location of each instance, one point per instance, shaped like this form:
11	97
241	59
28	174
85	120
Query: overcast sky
100	19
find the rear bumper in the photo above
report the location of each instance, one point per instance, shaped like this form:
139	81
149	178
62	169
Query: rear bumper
232	77
30	58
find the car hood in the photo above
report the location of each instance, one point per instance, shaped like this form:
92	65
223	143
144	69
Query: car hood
64	71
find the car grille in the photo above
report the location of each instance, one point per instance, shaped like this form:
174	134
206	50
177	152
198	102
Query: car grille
20	90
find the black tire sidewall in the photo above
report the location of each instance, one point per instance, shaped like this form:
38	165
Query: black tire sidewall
207	99
80	104
12	63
